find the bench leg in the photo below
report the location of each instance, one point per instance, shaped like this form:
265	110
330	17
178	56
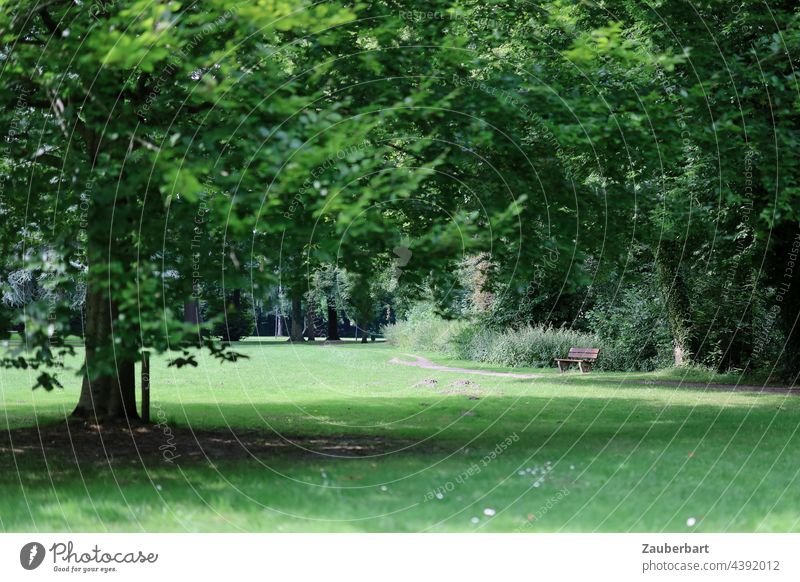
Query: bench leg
585	367
560	367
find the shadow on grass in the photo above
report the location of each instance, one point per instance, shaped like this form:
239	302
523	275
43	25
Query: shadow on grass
82	443
428	426
209	477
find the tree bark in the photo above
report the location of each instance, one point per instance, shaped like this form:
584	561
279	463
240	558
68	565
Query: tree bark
92	402
737	303
333	322
122	395
676	302
232	304
364	333
191	311
108	391
785	276
296	331
311	333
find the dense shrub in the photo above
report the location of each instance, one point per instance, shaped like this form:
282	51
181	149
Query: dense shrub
233	320
737	320
530	346
631	334
634	330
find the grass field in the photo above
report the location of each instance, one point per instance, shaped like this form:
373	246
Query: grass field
445	451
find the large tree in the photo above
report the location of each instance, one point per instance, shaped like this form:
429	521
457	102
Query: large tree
136	125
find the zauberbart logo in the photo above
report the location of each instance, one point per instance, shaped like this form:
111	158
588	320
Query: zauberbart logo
31	555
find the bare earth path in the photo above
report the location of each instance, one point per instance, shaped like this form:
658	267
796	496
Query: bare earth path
722	387
421	362
425	363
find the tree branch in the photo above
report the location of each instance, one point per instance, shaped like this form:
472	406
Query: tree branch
49	22
405	151
51	160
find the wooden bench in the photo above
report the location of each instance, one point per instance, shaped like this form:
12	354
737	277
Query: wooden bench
584	357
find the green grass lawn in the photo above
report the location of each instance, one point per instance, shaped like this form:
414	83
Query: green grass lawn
571	452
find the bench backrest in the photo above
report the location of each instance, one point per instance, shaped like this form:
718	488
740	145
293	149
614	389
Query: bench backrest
583	353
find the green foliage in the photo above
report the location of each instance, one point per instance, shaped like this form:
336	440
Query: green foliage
533	346
529	346
232	319
424	330
633	328
630	332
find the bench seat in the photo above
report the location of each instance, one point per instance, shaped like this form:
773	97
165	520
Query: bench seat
584	357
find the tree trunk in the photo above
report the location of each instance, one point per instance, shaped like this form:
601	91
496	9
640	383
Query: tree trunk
108	390
232	304
296	332
93	399
311	333
122	395
786	279
364	333
789	368
333	322
676	302
737	302
191	311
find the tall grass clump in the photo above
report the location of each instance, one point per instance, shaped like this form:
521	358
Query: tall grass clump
425	331
531	346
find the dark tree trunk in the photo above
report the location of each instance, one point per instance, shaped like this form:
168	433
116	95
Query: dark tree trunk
93	399
296	331
122	395
333	322
785	276
107	392
311	333
676	301
191	311
233	307
790	362
364	333
737	298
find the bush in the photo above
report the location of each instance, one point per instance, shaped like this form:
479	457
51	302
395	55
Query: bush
424	330
233	320
633	330
531	346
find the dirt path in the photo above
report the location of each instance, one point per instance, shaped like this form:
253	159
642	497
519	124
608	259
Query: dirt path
722	387
420	362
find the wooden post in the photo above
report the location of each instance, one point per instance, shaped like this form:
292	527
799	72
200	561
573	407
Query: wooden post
146	386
